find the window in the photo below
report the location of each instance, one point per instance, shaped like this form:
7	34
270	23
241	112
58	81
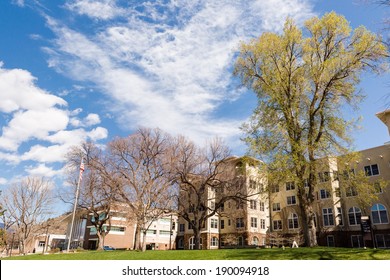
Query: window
151	232
277	224
290	186
324	194
351	191
239	204
293	221
214	241
262	223
253	204
382	240
240	241
181	227
92	231
222	224
261	206
253	222
117	229
41	244
255	241
214	223
190	225
371	170
275	189
212	205
192	243
291	200
252	184
327	215
378	188
357	241
347	174
330	240
164	232
222	207
324	176
379	214
239	222
354	216
276	206
180	243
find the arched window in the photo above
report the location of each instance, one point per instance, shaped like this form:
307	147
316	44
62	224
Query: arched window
293	221
255	241
192	243
214	241
379	214
354	216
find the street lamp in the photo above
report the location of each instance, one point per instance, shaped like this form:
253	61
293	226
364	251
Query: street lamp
46	240
12	243
170	233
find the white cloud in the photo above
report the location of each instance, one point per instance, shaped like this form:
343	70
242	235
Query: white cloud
169	63
32	124
41	170
99	9
20	3
18	91
3	181
40	122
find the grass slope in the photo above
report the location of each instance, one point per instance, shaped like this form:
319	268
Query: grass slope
318	253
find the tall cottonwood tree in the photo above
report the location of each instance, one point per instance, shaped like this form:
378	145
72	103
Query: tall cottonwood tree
141	162
302	85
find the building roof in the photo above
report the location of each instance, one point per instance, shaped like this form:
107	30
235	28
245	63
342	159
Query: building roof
384	116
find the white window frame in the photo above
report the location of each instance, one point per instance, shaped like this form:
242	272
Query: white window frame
329	214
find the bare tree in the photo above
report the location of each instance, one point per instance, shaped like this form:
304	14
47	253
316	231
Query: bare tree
141	161
98	189
28	203
204	181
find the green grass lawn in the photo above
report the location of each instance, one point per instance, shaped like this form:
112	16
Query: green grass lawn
318	253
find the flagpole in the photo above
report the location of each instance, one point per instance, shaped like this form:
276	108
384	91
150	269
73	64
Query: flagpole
75	203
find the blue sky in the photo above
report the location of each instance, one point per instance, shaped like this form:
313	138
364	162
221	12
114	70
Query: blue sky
77	70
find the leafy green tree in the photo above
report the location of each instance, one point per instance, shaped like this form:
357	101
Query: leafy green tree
303	84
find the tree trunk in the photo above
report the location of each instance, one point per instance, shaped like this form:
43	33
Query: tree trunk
143	243
137	237
197	240
309	228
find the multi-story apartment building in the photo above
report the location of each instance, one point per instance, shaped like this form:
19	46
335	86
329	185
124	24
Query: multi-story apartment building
343	218
238	222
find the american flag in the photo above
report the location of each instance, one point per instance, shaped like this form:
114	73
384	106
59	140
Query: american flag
81	170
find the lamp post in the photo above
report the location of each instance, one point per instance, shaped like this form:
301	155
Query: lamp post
12	243
46	240
170	233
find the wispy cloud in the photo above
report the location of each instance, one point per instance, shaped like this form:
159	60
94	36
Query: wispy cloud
166	63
